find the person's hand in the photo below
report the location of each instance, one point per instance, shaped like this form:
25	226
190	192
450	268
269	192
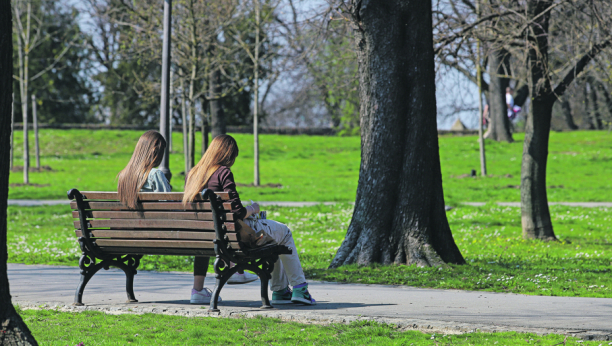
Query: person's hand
255	207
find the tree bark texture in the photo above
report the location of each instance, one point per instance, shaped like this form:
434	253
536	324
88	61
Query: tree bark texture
535	215
217	116
521	94
595	106
399	212
567	113
499	66
13	331
12	132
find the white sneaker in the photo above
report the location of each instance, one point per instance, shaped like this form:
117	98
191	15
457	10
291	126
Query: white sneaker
238	279
201	297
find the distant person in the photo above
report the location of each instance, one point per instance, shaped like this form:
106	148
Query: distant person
213	172
513	110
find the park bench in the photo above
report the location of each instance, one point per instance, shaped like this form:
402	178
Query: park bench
112	235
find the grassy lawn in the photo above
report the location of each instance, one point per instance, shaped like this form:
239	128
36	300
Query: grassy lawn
489	237
325	168
95	328
90	160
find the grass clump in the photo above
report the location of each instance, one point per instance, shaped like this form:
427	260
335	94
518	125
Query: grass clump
498	259
90	328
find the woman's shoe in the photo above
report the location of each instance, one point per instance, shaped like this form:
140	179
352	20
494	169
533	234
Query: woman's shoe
239	279
201	297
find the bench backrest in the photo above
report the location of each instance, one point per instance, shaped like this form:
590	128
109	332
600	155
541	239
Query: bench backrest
161	225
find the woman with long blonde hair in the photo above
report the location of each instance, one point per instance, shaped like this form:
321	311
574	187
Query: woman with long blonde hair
213	172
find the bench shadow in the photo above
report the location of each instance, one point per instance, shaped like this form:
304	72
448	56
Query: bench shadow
250	304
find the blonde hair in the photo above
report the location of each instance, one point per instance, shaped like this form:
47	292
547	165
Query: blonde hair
222	151
148	154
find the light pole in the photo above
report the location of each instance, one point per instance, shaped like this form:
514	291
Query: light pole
164	129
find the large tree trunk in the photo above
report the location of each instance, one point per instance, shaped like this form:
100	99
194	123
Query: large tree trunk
12	329
567	113
534	200
499	65
217	116
399	212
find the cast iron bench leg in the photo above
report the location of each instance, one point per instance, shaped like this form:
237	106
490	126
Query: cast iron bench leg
86	275
128	264
221	280
265	301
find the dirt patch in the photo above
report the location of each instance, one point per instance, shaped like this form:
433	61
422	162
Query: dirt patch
32	185
276	186
33	169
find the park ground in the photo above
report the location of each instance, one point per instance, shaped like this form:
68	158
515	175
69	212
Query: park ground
304	168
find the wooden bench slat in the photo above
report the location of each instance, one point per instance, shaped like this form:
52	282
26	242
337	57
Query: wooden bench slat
157	251
201	206
145	196
150	234
151	215
181	244
172	224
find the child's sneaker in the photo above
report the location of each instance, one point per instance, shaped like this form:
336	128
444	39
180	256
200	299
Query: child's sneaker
281	297
201	297
302	296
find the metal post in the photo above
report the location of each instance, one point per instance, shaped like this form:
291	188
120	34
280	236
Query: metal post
35	118
256	178
165	88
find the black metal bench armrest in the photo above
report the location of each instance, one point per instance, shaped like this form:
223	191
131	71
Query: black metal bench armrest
267	250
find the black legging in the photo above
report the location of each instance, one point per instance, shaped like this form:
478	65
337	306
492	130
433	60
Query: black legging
200	266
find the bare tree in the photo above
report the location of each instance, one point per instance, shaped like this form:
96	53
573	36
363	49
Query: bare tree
31	31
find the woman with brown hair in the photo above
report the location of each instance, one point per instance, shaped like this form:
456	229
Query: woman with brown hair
140	175
213	172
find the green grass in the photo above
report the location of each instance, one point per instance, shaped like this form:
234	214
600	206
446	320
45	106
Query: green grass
489	237
324	168
91	159
51	327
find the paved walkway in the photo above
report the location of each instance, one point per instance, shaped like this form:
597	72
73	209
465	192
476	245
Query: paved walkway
440	311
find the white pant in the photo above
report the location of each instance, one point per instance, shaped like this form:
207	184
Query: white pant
288	269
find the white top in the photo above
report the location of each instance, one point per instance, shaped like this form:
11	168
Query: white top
510	100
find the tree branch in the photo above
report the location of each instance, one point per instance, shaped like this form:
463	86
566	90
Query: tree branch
579	67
